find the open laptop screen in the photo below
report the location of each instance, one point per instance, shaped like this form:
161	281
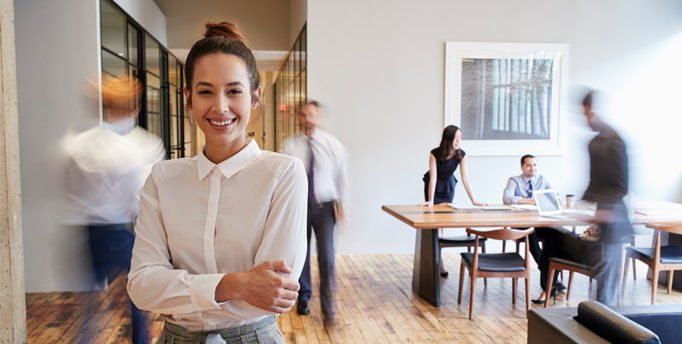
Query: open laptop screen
547	201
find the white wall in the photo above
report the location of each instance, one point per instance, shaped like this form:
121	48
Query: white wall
55	55
379	68
264	23
147	14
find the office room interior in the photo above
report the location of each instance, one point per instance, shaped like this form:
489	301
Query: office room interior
379	68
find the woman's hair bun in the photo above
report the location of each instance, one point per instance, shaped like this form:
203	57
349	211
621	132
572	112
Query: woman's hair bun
223	29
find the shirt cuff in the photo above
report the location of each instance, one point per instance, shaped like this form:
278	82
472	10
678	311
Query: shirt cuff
202	291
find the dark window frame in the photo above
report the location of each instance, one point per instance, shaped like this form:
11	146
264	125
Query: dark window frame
141	71
291	76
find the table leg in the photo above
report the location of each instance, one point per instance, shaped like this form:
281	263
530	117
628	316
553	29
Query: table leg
425	276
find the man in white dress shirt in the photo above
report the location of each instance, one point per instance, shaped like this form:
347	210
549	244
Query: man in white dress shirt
108	165
325	161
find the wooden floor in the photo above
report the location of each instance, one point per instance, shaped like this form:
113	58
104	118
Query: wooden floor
375	305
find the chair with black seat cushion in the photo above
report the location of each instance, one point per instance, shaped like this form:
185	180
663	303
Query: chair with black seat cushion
467	241
572	267
500	265
658	258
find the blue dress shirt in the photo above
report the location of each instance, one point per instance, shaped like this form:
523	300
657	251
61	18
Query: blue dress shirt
518	187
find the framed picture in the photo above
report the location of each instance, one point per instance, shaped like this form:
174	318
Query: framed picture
508	98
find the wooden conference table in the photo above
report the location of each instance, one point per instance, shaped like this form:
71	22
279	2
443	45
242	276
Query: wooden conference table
425	275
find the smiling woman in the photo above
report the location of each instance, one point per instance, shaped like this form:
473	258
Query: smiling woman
220	265
222	103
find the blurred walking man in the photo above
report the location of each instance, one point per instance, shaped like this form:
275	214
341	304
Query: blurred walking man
325	160
108	166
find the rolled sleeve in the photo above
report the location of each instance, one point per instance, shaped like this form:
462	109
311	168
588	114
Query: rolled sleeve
508	196
202	291
341	177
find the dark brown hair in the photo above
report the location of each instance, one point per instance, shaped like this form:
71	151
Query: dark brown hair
587	101
314	103
446	149
523	158
223	38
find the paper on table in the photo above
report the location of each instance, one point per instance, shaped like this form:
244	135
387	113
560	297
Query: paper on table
464	207
495	207
475	207
587	212
525	206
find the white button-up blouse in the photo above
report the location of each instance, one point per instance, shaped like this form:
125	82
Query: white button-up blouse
199	221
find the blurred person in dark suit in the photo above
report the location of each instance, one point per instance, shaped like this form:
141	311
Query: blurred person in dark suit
609	178
108	165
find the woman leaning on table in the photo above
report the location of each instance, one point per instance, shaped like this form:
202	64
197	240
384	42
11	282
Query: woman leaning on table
221	237
440	181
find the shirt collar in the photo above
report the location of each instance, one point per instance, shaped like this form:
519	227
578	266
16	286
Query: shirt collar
230	166
526	180
317	135
122	126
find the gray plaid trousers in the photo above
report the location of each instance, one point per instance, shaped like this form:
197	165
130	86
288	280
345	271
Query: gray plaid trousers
262	332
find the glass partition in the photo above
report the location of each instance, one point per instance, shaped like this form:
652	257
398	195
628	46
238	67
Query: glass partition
128	49
290	91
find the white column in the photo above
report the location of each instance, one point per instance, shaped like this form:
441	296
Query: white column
12	298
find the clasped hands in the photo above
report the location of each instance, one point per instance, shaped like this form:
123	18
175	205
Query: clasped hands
260	287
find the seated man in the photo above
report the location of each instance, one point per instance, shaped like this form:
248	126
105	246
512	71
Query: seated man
519	190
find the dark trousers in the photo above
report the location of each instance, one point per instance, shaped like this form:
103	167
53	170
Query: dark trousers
605	255
112	246
321	219
567	246
534	241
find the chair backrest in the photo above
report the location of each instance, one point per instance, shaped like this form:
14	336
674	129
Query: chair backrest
505	233
502	234
612	326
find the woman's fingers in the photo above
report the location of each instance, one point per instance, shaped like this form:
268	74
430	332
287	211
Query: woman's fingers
279	265
280	310
284	303
289	295
290	284
270	291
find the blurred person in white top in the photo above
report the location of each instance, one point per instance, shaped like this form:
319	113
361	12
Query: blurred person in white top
108	165
221	237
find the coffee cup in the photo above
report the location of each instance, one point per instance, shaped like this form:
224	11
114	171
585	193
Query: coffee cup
570	201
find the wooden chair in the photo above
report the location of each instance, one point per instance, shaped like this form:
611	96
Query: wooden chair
500	265
521	241
658	258
467	241
572	267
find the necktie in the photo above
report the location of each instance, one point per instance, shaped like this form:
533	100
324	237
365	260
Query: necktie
311	175
530	189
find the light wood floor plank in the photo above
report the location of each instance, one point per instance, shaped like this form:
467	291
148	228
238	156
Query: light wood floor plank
374	301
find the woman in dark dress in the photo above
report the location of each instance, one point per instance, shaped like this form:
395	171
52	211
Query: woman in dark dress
440	181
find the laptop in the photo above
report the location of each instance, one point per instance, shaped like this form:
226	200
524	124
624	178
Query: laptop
549	205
